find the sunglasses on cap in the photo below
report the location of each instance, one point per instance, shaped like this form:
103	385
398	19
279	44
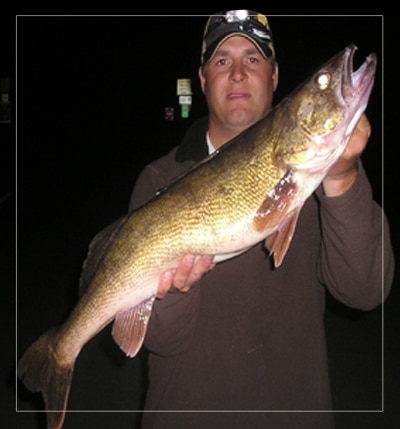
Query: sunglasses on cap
250	24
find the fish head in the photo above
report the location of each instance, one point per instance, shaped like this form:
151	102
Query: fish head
323	112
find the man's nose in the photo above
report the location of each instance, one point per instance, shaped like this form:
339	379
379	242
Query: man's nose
238	72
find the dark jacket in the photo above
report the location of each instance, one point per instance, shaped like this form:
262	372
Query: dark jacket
249	337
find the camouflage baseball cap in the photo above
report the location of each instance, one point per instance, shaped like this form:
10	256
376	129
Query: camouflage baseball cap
246	23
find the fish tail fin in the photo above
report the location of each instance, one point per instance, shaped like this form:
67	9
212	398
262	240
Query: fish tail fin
41	372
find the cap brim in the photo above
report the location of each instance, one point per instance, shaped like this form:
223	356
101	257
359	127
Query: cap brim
212	49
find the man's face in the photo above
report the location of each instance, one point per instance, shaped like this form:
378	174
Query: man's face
238	83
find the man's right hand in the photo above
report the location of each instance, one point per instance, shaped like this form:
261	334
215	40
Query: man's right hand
189	271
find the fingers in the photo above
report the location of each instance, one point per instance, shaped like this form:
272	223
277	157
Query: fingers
189	271
359	139
364	127
183	273
201	265
343	173
165	283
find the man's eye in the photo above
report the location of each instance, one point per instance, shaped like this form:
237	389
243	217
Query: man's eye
222	61
252	60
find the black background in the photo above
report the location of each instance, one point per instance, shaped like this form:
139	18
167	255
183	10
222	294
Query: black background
89	94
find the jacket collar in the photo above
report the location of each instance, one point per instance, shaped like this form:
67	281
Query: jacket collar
194	144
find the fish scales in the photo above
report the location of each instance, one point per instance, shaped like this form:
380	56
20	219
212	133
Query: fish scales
205	213
251	190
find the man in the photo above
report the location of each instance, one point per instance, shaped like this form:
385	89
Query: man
245	345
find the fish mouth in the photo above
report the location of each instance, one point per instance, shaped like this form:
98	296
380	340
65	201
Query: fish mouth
360	80
356	85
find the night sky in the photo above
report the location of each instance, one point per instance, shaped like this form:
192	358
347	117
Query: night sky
92	90
90	96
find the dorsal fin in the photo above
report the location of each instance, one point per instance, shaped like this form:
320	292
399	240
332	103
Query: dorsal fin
130	327
98	248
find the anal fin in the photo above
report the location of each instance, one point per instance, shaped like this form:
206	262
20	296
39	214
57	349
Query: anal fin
130	327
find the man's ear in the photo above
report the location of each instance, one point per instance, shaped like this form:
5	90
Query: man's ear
275	76
202	79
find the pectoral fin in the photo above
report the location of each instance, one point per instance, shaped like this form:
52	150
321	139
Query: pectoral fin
130	327
276	205
278	243
274	215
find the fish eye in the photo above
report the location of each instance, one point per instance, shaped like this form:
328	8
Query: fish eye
323	80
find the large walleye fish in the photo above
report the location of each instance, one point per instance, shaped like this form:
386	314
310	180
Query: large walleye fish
251	190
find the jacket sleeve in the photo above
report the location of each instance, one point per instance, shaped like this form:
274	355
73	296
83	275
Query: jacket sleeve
173	317
357	261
